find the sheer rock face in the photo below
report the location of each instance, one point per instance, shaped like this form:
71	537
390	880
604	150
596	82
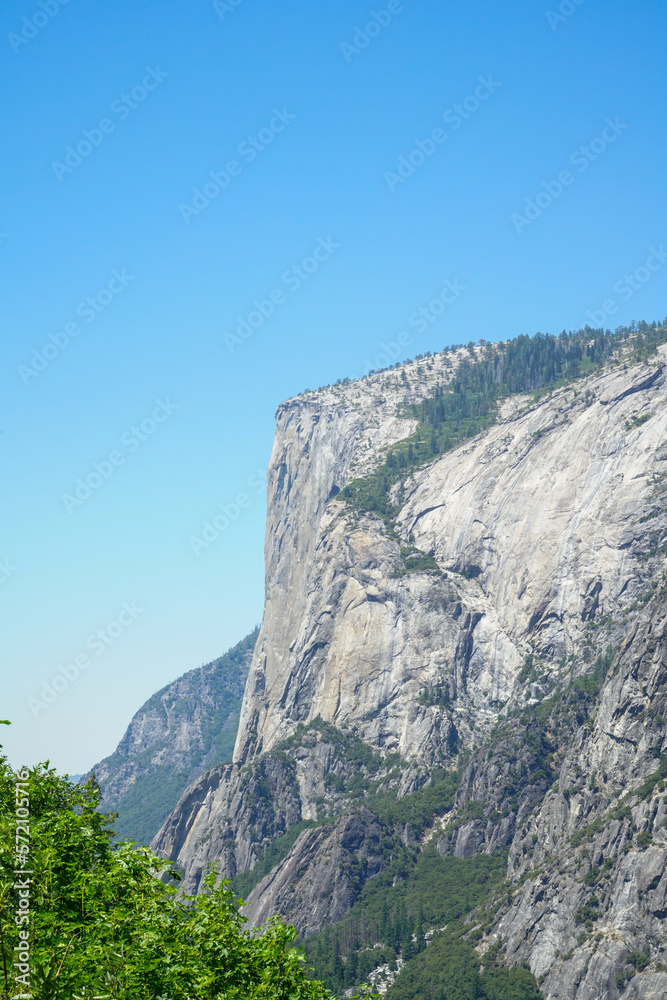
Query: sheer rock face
539	512
328	892
618	751
542	527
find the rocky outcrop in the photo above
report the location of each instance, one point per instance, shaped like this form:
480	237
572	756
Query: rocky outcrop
532	659
183	730
533	524
599	838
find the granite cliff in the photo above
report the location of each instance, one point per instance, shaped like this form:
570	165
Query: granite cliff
469	671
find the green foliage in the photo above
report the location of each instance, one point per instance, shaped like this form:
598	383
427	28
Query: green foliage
143	808
471	811
347	746
435	694
510	984
637	421
469	403
420	808
639	959
451	968
592	876
624	978
572	705
524	753
588	912
622	812
415	561
528	671
587	687
104	925
541	749
421	891
647	787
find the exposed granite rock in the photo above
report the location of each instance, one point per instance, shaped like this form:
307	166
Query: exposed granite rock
549	531
589	845
319	880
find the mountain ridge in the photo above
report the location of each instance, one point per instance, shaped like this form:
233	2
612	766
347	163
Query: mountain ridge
430	675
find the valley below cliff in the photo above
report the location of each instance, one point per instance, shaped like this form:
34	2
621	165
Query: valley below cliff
450	772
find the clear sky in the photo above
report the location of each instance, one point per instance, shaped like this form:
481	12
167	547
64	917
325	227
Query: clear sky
349	158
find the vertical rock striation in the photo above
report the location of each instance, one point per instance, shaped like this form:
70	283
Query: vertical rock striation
533	659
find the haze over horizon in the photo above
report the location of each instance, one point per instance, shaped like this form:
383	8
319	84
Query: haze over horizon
210	208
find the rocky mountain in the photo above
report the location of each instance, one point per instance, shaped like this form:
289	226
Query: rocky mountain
183	730
451	765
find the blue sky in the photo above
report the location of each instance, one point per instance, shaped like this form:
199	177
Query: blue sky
123	288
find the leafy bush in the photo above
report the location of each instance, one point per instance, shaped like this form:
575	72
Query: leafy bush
587	913
415	561
644	839
103	925
639	959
